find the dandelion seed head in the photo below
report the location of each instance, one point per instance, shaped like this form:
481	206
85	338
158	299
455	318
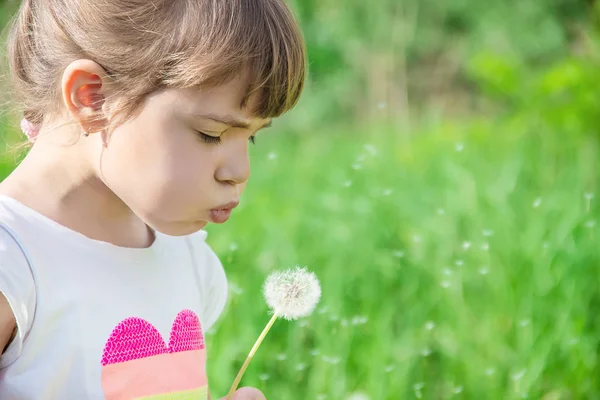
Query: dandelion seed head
358	396
300	367
518	375
292	294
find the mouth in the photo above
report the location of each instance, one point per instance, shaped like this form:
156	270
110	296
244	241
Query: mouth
221	214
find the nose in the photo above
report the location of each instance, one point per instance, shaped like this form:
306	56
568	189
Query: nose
235	163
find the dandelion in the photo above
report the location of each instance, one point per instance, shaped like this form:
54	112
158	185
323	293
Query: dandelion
487	232
460	147
398	253
235	289
387	192
466	245
389	368
371	149
300	367
264	377
272	156
291	295
537	202
347	183
485	246
458	389
358	396
524	323
441	211
518	375
430	325
331	360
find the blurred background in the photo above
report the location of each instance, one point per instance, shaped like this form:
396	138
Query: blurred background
440	176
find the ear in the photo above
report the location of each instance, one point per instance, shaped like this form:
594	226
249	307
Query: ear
82	83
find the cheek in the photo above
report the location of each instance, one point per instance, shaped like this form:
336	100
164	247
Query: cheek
156	171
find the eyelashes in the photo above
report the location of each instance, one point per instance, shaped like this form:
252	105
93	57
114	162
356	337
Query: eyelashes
208	139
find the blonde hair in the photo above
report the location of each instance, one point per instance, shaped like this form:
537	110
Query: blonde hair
148	45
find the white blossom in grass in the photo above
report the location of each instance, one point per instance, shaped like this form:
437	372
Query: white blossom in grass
292	294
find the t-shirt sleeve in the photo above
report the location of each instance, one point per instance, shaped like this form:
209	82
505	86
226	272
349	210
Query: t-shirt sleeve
17	285
212	281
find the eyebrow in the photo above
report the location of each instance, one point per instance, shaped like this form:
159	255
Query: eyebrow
231	121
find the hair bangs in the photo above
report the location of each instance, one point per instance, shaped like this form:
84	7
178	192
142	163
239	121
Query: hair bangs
257	38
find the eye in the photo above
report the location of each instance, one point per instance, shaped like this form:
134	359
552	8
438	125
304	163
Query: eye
208	138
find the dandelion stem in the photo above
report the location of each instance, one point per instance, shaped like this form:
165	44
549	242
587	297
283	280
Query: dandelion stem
260	339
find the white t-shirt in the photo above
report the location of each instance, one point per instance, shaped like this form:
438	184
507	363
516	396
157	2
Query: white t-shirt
98	321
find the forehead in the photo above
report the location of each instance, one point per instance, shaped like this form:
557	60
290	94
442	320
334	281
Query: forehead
228	99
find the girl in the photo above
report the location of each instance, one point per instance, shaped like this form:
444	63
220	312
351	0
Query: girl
141	113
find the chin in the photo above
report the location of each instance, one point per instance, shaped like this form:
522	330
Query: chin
179	229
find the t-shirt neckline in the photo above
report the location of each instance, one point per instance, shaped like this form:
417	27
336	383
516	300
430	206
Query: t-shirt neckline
81	240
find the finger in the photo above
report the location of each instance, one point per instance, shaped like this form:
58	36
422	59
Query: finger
247	393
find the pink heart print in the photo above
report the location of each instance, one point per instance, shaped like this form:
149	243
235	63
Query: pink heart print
137	363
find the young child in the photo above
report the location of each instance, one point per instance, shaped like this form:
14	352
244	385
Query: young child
141	114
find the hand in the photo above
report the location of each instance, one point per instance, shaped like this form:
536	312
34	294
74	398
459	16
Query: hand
247	393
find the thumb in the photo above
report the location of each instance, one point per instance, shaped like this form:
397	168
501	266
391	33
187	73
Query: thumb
247	393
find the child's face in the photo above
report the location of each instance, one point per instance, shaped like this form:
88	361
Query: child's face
167	173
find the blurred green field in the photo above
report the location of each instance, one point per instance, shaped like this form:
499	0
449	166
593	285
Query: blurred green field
441	177
463	262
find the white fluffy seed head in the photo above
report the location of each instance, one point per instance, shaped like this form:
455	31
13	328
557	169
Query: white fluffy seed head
292	294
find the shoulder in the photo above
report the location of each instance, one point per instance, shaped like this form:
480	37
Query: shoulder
17	287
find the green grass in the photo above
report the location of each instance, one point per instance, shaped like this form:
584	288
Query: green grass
459	262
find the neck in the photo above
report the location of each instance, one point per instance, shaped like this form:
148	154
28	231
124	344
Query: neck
58	181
